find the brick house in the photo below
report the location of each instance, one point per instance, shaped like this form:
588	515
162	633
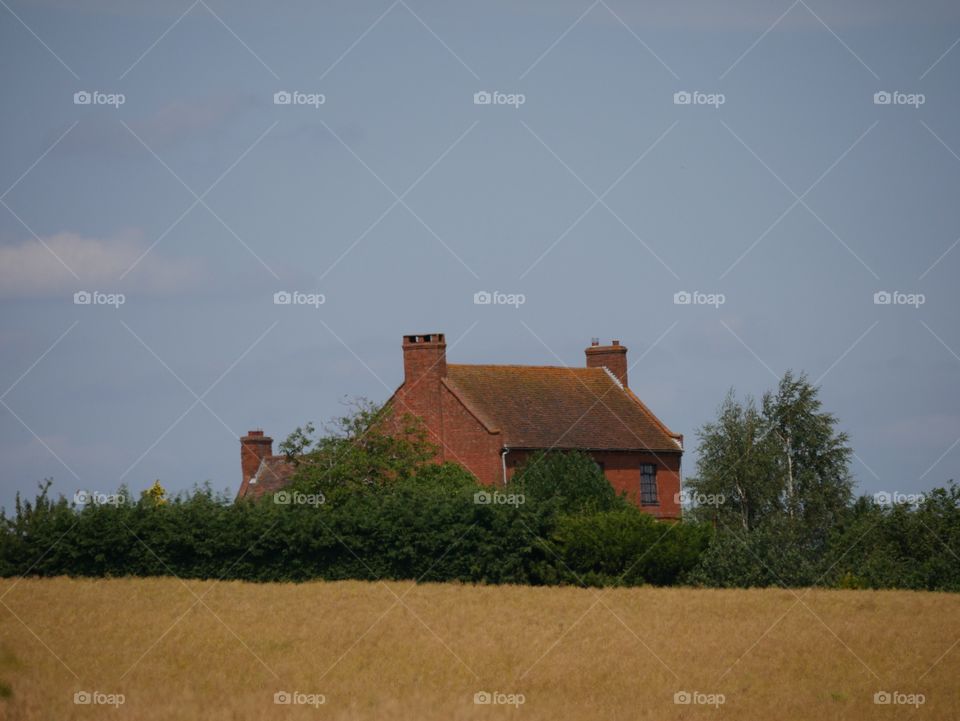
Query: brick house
491	418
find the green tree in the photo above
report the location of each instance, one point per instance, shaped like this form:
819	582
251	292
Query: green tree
783	458
813	458
369	446
737	464
570	480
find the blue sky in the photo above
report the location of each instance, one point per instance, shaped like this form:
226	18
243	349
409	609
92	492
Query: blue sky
784	187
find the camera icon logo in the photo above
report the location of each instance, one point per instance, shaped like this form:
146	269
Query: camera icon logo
682	97
882	297
482	97
682	697
282	697
482	698
81	498
482	297
82	297
882	697
483	498
83	698
282	297
282	498
882	98
682	298
883	498
82	97
282	97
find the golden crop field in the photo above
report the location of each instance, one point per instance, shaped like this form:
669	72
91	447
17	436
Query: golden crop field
151	649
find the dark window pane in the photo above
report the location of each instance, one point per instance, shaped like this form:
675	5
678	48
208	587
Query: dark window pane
648	484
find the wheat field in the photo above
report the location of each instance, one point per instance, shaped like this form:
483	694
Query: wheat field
168	649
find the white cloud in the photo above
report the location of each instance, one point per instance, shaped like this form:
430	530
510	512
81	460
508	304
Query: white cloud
66	261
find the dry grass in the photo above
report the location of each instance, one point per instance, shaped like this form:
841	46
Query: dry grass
572	653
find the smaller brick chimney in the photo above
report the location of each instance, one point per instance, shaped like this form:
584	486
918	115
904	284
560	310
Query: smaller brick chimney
613	357
254	447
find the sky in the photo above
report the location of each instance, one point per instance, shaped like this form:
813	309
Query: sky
790	170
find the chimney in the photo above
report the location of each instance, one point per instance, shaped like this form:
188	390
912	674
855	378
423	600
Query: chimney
424	367
254	447
424	360
612	357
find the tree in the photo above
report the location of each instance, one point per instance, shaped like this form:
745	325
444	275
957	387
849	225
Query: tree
156	494
783	460
813	456
737	464
569	479
369	446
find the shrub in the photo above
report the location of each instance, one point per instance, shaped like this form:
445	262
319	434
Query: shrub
569	481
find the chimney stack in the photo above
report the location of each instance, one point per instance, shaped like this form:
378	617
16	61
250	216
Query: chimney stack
424	368
254	447
612	357
424	360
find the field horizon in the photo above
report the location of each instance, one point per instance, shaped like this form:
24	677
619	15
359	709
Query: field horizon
162	648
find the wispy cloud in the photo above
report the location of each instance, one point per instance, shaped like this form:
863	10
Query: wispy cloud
31	269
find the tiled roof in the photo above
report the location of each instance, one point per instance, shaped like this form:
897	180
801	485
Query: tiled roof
553	407
273	474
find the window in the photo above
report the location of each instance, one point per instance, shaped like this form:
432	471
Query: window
648	484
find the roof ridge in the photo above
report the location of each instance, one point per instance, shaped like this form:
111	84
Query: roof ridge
613	377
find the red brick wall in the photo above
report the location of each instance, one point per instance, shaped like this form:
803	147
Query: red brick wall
456	432
468	442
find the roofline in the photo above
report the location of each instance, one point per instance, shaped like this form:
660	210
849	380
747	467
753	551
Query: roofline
487	424
663	426
457	393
